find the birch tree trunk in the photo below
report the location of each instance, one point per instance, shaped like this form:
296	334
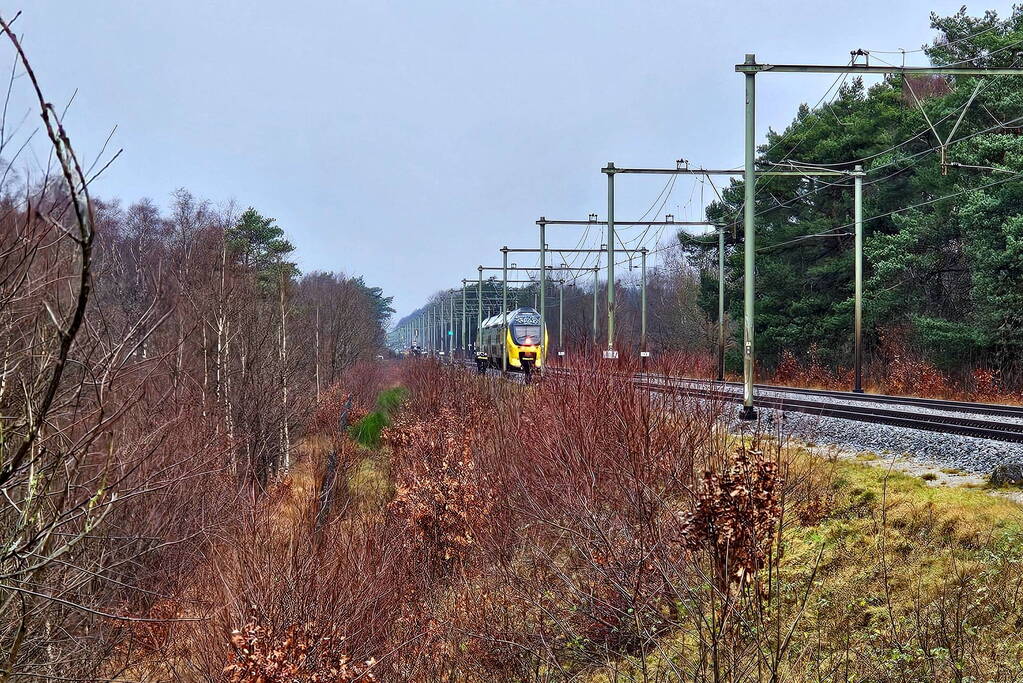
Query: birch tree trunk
283	359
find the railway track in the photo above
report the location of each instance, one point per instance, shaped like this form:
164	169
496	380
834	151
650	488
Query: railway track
908	415
992	409
978	420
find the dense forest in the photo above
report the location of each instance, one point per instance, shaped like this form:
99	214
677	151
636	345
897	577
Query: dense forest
943	255
220	314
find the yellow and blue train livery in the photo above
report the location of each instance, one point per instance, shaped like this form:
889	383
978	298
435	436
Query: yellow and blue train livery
521	345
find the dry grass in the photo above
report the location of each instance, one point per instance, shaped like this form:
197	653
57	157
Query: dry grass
914	583
898	369
568	531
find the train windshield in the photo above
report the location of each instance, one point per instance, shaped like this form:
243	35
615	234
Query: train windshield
526	334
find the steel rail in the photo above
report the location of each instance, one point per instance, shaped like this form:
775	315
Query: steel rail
994	409
856	410
960	425
946	424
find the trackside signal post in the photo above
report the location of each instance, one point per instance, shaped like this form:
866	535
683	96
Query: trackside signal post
750	68
465	325
642	306
561	318
543	284
749	234
858	293
479	309
610	262
504	308
721	304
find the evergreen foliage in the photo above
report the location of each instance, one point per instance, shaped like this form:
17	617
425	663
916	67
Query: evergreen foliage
943	248
259	244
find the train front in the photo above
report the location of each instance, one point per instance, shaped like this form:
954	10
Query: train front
526	348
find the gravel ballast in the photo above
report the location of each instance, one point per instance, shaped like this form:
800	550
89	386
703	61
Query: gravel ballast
966	453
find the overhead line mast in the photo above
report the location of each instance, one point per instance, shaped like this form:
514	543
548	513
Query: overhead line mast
750	68
543	222
682	168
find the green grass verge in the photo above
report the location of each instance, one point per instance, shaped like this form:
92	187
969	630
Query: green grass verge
366	432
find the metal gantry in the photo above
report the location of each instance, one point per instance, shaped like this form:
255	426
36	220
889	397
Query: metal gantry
504	294
543	253
682	168
561	301
441	319
668	221
429	324
750	68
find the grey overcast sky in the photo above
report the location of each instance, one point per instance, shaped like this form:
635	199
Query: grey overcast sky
408	141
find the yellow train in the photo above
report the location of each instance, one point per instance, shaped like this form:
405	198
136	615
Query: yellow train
521	344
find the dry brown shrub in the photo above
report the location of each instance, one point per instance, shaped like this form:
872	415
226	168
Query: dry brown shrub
812	372
325	420
788	369
735	515
366	379
442	495
303	653
152	636
531	529
814	510
905	372
987	384
684	363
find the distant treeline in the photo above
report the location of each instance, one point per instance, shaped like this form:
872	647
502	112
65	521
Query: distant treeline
239	335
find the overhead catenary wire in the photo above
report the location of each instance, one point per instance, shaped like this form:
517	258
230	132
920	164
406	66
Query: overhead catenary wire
669	187
922	132
839	80
734	218
928	202
905	163
670	182
913	160
846	226
932	47
985	56
629	243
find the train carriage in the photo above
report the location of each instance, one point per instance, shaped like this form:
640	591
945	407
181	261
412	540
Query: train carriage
521	343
